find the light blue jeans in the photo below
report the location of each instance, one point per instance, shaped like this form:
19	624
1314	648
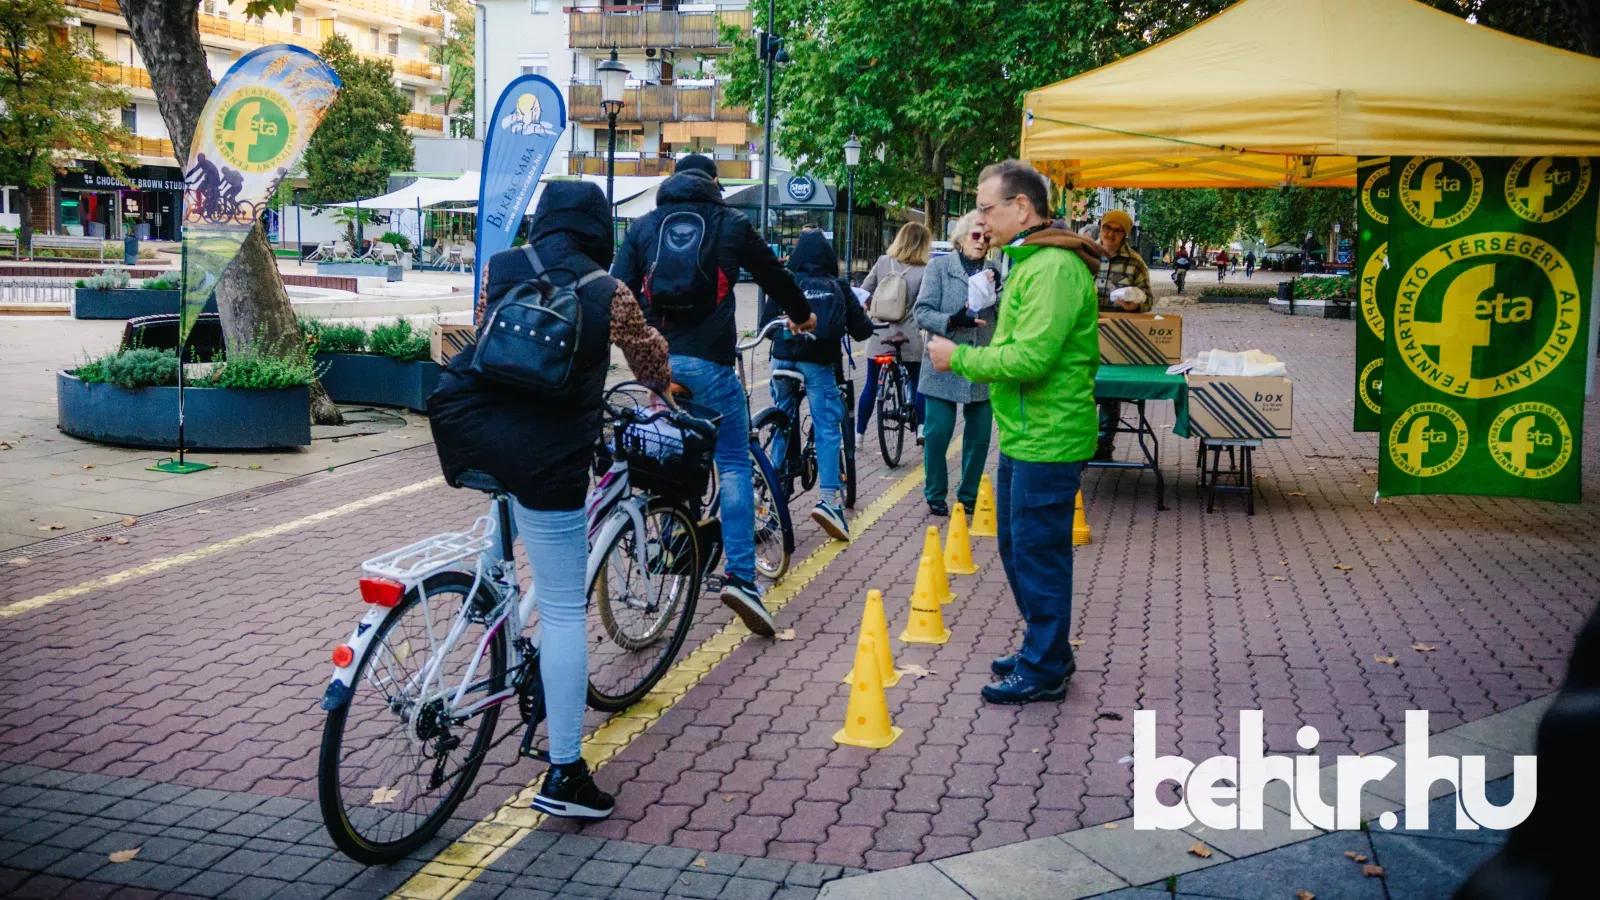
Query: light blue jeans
827	417
557	544
717	387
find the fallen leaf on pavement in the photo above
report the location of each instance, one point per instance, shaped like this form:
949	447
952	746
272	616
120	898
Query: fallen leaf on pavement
202	510
5	445
129	521
1111	826
122	856
1341	567
21	561
1295	494
55	473
700	863
1279	578
254	466
384	795
1036	749
1372	871
727	798
1423	648
1304	895
1370	471
1076	642
88	465
1358	857
1388	539
914	670
53	526
1115	717
1200	850
122	540
1387	660
785	635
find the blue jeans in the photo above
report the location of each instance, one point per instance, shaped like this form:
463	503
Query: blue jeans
717	387
557	544
1034	511
827	417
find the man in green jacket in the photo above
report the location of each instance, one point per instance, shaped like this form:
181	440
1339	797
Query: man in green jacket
1040	368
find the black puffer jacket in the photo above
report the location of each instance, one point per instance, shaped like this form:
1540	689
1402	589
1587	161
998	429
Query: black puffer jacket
813	258
540	447
738	246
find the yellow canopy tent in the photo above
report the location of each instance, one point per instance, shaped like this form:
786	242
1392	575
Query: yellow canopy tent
1274	92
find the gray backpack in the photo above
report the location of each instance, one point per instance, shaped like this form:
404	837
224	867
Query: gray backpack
888	303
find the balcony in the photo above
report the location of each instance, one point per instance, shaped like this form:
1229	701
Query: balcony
637	27
248	32
418	12
127	76
638	163
149	146
423	121
105	6
656	103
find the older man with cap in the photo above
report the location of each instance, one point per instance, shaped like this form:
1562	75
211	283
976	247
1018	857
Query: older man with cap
1122	267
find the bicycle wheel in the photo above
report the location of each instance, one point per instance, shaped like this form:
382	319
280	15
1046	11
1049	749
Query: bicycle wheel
808	455
774	532
891	417
394	764
847	444
643	593
785	469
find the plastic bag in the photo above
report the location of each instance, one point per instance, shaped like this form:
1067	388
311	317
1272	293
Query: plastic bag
1250	363
1129	294
980	291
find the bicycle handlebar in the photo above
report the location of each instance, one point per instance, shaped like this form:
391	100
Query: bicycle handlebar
768	329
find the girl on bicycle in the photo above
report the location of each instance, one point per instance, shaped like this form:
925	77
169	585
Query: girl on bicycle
906	260
541	449
942	309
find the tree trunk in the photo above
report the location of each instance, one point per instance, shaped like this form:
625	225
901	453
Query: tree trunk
250	296
25	224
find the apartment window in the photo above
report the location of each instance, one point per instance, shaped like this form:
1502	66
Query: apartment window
535	64
295	25
209	7
539	7
372	39
130	118
394	44
411	98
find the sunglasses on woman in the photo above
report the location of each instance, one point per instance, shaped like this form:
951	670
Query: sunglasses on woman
977	236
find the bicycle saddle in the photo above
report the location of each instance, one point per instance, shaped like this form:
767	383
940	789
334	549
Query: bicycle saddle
479	480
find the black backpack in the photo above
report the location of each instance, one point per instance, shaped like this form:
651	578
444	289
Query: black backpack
531	337
683	279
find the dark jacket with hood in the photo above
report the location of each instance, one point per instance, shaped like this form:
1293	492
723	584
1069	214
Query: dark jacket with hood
813	258
738	246
541	446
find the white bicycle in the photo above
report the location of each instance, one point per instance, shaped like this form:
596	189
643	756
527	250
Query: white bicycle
417	689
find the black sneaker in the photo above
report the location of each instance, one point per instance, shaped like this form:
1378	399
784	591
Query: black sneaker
1015	690
1005	665
569	791
938	508
743	598
1103	452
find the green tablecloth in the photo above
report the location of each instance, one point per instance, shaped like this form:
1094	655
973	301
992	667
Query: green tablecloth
1146	383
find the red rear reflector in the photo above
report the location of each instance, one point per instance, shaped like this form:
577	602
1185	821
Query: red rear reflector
343	656
884	360
382	591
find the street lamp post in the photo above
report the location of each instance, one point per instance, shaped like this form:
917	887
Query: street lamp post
772	53
613	78
852	158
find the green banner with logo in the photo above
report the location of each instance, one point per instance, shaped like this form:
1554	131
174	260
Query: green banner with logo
1374	287
1491	264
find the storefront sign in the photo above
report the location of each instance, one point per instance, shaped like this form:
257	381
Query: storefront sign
801	188
1485	362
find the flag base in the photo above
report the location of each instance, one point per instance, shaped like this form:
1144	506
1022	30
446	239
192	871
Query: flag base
173	467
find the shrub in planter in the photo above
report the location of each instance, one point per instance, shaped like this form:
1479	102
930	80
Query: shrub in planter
1337	286
134	367
1252	291
322	337
394	370
111	295
108	280
252	370
397	239
399	340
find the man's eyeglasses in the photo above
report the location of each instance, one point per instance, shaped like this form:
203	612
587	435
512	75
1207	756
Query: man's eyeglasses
985	207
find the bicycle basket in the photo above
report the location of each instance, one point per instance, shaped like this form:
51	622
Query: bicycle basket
671	456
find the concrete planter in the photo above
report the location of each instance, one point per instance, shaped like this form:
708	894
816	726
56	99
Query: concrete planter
214	418
126	303
368	378
389	272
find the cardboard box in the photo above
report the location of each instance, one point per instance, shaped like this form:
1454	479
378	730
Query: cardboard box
1141	339
1240	406
445	341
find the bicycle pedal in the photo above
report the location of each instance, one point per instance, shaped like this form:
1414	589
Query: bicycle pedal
526	748
715	582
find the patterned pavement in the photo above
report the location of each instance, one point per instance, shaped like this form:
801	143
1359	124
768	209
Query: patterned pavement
205	671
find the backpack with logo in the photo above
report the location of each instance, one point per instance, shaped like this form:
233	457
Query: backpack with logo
827	299
683	279
531	336
888	303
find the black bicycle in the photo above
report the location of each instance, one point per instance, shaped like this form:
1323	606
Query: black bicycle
895	407
799	462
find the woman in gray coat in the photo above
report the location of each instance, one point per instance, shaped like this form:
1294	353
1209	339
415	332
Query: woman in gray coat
941	309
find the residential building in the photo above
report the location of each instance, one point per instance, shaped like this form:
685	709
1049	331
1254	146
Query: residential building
87	200
674	103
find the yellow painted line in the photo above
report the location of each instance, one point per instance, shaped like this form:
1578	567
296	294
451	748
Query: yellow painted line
460	864
170	562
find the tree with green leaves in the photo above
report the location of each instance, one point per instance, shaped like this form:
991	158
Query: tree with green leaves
458	53
255	310
49	99
363	137
1569	24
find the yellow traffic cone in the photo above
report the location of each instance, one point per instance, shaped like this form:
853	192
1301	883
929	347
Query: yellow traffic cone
866	720
984	523
925	624
932	551
875	628
957	548
1080	523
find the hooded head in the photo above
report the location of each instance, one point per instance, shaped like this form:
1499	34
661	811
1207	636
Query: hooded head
573	217
696	162
813	255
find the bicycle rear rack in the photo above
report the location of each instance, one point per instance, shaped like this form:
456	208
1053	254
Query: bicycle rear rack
417	561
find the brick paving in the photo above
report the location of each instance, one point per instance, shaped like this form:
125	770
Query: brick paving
207	675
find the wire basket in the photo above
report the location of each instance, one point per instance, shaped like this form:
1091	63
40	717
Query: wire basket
670	456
